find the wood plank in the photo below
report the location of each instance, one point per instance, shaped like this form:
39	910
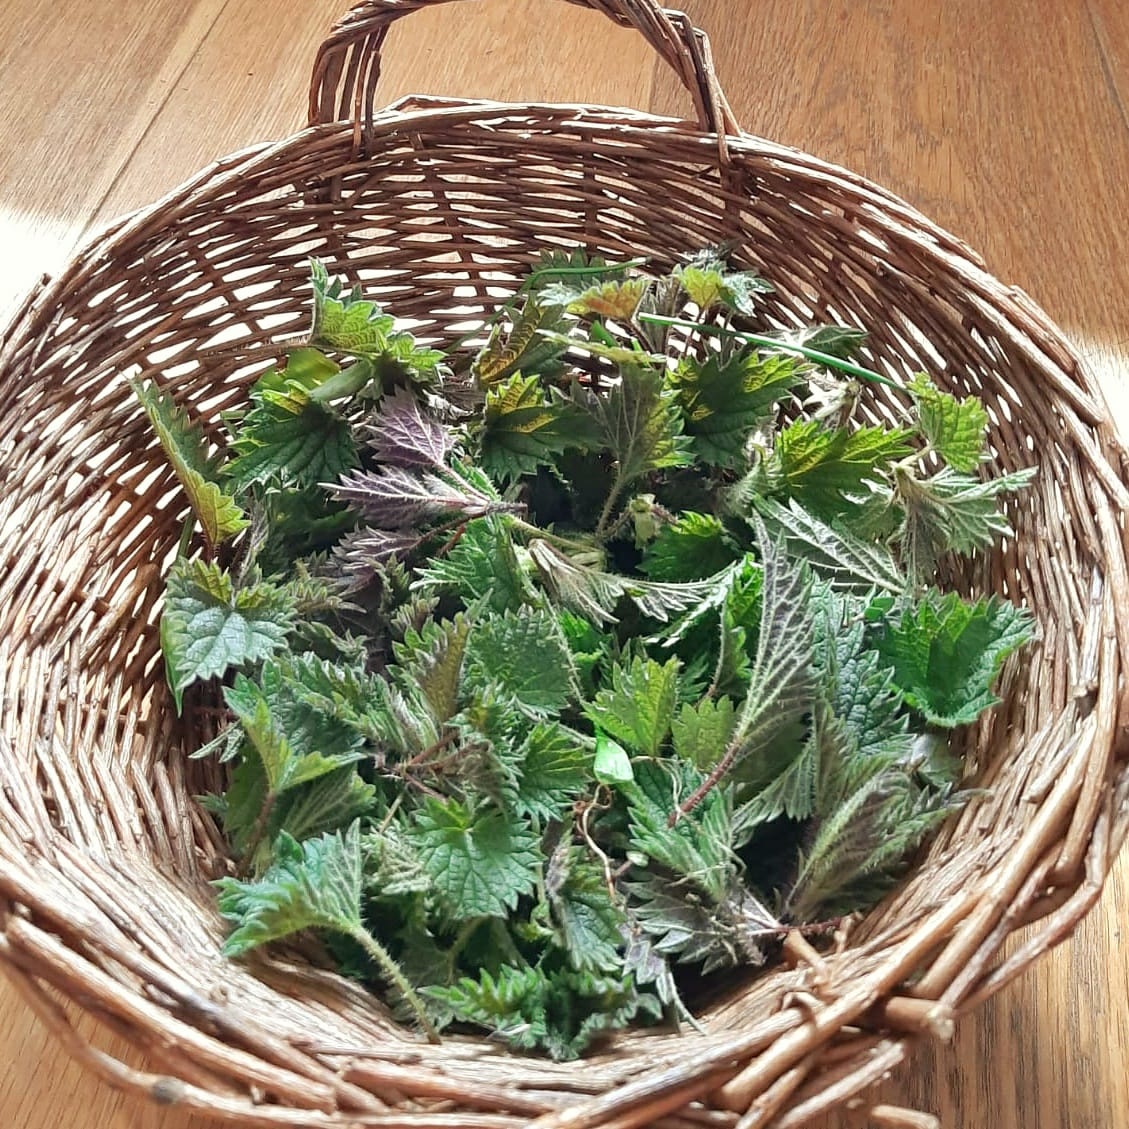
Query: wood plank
82	82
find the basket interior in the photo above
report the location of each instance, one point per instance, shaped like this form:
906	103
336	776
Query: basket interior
100	837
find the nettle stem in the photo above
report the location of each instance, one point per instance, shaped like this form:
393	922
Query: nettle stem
257	833
391	972
820	358
609	508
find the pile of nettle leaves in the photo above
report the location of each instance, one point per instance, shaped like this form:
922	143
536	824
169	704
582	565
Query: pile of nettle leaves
607	650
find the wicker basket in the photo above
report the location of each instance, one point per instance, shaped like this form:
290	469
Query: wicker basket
438	207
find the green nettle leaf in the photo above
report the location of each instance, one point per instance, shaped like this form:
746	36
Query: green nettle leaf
312	885
724	401
639	423
482	565
330	803
588	924
430	664
638	707
842	341
845	560
701	733
208	626
299	448
780	679
286	762
955	429
343	320
574	268
561	1012
526	425
708	284
822	467
524	348
403	434
612	765
946	654
951	511
523	654
479	862
699	911
198	471
692	547
594	593
555	769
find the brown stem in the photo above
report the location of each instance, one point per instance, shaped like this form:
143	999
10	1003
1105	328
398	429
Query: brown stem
704	789
257	833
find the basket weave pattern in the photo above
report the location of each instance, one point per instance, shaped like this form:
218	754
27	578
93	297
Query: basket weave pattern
438	207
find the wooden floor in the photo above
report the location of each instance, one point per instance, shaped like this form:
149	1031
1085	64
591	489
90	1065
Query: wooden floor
1008	122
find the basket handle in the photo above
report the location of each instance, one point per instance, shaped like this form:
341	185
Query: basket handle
347	67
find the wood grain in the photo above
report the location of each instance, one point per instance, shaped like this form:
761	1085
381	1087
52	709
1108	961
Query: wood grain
1008	123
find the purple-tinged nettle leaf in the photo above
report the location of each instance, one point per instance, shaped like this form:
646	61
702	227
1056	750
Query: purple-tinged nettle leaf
404	434
362	553
396	498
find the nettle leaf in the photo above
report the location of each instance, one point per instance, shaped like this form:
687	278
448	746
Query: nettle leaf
208	626
524	347
344	321
329	803
821	467
291	754
638	707
196	468
299	448
482	565
858	682
574	268
699	911
955	429
781	680
561	1012
361	554
299	522
639	422
588	923
724	401
612	764
479	862
845	560
310	885
594	593
692	547
526	425
589	646
397	498
946	654
402	433
698	847
523	654
951	511
842	341
555	768
707	284
701	732
430	663
615	298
